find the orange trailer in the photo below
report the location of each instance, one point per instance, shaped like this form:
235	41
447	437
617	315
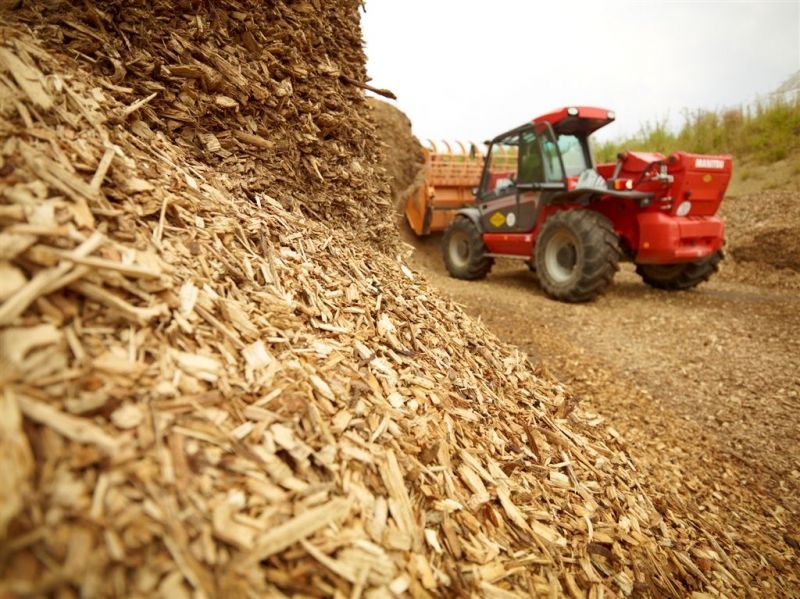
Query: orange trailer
450	177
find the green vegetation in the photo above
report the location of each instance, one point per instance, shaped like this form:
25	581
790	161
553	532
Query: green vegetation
766	133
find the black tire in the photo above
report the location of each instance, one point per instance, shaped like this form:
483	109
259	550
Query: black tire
577	254
464	251
678	277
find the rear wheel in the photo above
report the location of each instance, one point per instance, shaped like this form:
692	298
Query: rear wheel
684	275
464	250
577	254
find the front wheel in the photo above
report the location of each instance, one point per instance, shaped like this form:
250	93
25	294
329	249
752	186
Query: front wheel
464	251
676	277
577	254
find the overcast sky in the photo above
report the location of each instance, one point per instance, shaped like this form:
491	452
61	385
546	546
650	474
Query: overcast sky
470	69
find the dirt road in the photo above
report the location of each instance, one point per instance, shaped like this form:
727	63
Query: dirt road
704	386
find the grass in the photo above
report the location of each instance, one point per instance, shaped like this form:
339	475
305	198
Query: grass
764	134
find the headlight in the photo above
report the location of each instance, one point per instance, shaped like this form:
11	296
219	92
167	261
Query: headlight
684	208
572	111
612	115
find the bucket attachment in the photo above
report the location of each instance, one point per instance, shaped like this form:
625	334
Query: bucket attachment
449	177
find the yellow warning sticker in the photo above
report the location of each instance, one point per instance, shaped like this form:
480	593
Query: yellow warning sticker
706	178
497	219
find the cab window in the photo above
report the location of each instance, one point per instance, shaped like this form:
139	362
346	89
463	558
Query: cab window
553	172
531	166
572	155
500	175
539	156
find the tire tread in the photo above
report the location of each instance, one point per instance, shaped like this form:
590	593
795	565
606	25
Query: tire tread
479	264
691	276
601	254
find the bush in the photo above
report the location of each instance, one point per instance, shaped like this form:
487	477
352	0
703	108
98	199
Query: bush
765	133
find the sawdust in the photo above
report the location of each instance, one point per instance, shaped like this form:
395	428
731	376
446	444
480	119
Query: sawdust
213	384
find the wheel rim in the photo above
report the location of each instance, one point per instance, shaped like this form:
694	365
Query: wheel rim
459	249
561	256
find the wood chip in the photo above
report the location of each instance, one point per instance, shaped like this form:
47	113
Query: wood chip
28	77
77	429
296	529
17	460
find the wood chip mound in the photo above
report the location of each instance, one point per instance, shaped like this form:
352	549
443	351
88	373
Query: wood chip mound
402	156
764	229
215	384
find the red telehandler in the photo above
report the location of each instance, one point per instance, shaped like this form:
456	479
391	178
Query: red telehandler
542	199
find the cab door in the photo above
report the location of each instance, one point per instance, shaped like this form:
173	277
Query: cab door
497	196
541	172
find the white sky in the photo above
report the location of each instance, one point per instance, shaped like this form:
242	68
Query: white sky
470	69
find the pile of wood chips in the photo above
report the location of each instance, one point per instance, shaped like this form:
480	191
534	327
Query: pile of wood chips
209	388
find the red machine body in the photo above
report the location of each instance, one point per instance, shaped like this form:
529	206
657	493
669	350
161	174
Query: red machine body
676	223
